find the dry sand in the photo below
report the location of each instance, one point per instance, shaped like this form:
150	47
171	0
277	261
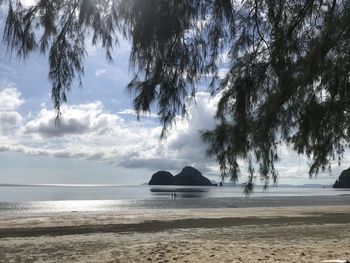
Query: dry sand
286	234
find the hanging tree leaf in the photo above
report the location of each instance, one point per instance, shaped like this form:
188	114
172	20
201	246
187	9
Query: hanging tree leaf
287	79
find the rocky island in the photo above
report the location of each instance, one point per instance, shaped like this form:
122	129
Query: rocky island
188	176
344	180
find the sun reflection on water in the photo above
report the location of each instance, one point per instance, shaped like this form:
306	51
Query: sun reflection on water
71	206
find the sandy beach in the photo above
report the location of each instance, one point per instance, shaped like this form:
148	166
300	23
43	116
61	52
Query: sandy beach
265	234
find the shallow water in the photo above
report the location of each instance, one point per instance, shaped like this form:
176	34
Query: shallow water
55	192
101	198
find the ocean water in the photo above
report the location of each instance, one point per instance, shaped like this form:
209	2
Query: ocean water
99	198
60	192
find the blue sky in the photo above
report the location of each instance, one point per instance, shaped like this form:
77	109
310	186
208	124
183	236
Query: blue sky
100	140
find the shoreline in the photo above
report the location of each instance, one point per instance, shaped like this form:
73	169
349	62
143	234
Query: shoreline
29	207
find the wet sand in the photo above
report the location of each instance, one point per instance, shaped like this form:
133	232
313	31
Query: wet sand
278	234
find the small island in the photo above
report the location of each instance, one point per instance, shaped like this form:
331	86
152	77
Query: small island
188	176
344	180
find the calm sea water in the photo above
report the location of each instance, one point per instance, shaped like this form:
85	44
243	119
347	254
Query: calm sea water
56	192
57	198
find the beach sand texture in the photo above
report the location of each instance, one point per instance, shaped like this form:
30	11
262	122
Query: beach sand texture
286	234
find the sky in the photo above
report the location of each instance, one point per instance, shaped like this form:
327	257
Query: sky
99	139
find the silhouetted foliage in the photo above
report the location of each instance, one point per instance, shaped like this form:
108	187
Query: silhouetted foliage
287	62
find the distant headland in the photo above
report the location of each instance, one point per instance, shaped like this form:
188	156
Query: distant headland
188	176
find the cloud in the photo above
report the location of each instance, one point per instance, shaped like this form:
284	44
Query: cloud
10	99
88	131
133	113
100	72
184	141
9	120
154	164
75	119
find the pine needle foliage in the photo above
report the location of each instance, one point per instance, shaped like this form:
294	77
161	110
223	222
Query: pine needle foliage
287	78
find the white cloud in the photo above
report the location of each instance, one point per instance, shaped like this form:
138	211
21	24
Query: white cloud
100	72
89	131
10	99
184	141
75	119
28	2
133	113
10	119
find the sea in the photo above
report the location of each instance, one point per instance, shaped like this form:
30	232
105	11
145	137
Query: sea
30	198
